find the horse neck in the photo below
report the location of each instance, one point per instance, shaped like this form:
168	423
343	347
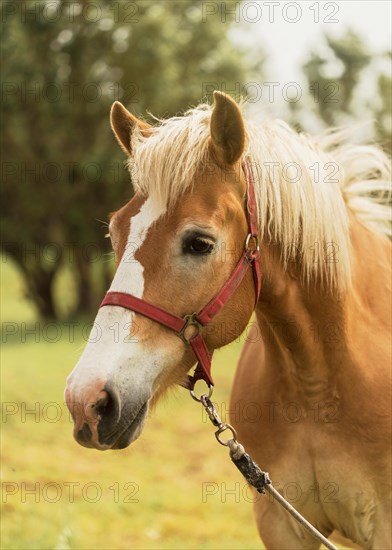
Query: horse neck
307	331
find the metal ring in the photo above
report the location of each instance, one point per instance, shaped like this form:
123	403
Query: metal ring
256	238
223	428
198	399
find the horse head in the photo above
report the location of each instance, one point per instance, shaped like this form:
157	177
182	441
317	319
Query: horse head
176	242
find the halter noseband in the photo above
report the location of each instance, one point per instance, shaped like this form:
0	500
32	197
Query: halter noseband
180	325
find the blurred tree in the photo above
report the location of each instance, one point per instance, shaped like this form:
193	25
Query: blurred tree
63	65
383	112
334	74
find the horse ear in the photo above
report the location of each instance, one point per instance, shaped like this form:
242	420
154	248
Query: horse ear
123	122
227	130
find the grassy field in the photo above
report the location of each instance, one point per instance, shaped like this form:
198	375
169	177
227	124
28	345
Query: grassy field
174	488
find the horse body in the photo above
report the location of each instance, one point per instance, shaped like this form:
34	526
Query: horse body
316	366
323	394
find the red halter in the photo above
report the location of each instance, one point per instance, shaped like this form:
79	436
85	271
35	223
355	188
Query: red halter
250	257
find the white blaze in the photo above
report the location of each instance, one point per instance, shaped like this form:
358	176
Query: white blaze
109	347
129	275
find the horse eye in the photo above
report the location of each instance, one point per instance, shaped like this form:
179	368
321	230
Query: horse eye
198	245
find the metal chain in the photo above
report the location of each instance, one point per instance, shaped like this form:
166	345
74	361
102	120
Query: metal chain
250	470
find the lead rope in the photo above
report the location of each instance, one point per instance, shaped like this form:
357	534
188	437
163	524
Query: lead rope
250	470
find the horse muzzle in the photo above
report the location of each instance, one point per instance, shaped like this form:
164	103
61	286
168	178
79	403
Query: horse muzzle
104	418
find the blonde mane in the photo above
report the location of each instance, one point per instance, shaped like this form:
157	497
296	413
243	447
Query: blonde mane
304	186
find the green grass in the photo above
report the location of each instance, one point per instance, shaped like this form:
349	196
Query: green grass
147	496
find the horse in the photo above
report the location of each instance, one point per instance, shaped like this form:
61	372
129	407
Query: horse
316	362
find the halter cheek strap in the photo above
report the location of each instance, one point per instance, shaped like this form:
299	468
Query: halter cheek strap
181	325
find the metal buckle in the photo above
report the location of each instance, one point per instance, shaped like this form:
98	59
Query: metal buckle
190	320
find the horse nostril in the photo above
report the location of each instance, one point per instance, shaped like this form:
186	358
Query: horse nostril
107	407
102	404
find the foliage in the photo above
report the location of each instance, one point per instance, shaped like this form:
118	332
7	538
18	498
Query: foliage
348	56
63	171
335	73
383	113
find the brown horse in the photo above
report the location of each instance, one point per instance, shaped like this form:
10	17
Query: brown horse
316	367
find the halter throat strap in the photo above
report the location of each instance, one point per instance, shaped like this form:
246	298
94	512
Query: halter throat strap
189	328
